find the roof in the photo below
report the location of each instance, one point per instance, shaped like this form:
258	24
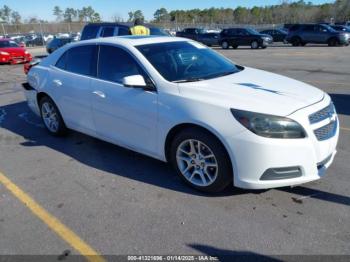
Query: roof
126	24
136	40
6	39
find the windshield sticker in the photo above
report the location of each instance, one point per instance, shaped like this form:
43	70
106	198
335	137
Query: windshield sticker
260	88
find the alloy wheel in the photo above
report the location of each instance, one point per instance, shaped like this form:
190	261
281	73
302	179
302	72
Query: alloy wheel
50	117
197	162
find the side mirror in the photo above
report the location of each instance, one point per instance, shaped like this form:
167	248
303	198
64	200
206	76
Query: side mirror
134	81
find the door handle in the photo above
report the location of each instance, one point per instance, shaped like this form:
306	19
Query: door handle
99	93
57	82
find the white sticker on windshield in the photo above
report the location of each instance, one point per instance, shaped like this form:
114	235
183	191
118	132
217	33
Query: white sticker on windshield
198	45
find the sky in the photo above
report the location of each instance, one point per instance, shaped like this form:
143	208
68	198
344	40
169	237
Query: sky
108	8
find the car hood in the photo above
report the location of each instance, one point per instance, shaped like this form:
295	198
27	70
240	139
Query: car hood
13	50
254	90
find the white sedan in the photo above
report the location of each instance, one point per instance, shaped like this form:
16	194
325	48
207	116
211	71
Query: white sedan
176	100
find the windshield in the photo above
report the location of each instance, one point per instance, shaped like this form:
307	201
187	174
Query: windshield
330	29
252	31
8	44
187	61
158	31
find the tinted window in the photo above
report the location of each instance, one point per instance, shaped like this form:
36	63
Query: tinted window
82	60
61	63
107	31
8	44
123	31
186	61
114	64
294	28
89	32
308	28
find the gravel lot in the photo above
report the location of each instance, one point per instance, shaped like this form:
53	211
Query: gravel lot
121	202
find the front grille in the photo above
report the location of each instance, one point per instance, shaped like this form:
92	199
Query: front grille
327	131
323	114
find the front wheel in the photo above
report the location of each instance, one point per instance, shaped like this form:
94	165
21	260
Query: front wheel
225	45
51	117
254	45
201	160
333	42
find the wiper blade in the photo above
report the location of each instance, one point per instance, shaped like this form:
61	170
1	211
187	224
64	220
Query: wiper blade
188	80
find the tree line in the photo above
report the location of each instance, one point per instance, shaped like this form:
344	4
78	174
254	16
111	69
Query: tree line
286	12
85	14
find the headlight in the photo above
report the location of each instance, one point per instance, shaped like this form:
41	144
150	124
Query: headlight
26	52
269	125
4	53
266	38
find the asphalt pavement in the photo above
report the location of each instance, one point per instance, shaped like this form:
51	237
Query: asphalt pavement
120	202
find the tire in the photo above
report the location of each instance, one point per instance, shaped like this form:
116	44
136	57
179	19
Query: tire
296	41
198	169
235	46
225	45
254	44
333	42
264	47
51	117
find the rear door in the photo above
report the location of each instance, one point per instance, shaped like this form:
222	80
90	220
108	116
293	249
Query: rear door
70	86
308	34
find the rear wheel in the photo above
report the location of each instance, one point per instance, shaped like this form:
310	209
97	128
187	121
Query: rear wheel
235	46
225	45
201	160
51	117
296	41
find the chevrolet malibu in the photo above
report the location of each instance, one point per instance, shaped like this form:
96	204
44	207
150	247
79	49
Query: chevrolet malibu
216	122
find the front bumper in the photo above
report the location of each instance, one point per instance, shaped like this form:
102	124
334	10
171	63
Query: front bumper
15	59
253	156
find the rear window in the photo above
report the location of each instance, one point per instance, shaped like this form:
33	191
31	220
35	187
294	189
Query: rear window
89	32
123	31
294	28
8	44
107	31
79	60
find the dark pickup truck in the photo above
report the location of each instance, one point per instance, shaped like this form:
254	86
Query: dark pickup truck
191	33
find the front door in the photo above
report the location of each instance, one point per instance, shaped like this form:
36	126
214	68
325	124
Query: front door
123	115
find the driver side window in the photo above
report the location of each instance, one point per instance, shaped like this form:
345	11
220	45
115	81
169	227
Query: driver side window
114	64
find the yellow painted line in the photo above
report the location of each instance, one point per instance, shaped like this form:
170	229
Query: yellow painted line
52	222
345	128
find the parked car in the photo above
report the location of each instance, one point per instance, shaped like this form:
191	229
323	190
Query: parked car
341	28
209	39
96	30
243	37
218	123
347	23
302	34
34	40
191	33
56	43
11	52
278	35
